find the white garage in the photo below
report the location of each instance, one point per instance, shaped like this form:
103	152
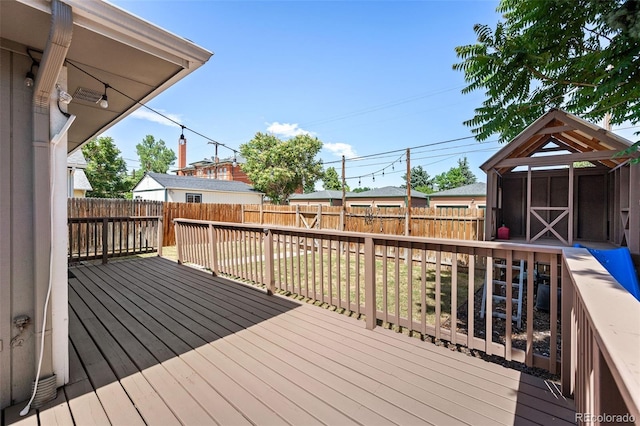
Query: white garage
189	189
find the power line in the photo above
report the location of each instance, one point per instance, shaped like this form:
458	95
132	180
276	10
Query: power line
379	107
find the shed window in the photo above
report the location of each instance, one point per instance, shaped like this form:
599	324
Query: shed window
194	198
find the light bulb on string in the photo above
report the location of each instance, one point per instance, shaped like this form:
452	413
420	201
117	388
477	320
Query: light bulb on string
374	177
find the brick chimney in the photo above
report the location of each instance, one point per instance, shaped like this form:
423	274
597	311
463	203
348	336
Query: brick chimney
182	155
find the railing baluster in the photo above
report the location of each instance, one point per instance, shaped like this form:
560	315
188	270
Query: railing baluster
488	317
438	291
385	283
423	291
453	313
269	264
370	283
553	343
530	301
509	303
471	286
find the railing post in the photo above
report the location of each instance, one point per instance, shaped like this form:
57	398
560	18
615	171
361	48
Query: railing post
160	231
178	231
566	351
213	250
268	262
370	283
105	240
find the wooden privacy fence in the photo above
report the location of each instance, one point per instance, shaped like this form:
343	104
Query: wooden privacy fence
362	274
112	207
215	212
104	237
462	224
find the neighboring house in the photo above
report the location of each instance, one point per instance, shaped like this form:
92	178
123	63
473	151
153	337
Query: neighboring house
388	196
326	198
60	60
77	182
189	189
473	196
223	169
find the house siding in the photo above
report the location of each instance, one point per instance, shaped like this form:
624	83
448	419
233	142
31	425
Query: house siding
215	197
16	228
468	202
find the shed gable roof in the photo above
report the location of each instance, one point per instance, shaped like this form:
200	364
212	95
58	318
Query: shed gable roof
558	131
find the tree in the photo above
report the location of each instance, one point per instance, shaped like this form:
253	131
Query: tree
278	167
420	180
154	155
456	176
578	55
331	180
366	188
106	169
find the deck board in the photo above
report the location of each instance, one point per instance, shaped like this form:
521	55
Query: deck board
154	342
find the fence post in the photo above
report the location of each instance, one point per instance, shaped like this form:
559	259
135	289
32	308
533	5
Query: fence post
160	230
370	283
297	216
268	262
261	215
566	354
178	231
105	240
319	216
213	250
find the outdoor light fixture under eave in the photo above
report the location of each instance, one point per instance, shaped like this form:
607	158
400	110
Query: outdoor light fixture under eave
103	101
29	79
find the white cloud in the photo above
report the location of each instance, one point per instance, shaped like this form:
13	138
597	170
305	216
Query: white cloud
287	130
145	114
339	149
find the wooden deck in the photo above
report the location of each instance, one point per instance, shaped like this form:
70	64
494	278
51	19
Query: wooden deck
154	342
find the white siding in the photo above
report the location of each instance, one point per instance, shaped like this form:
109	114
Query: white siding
147	183
215	197
154	195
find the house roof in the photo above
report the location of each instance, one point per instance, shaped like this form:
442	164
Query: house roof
76	160
558	138
387	192
80	181
473	190
199	184
133	56
320	195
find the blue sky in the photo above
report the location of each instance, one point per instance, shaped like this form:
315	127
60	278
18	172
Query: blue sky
363	76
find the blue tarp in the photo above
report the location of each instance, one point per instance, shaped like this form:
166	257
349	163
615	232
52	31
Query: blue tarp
619	264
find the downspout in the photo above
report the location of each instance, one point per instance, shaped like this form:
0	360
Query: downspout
55	52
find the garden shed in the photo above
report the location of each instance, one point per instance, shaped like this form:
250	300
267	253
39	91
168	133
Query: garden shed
563	180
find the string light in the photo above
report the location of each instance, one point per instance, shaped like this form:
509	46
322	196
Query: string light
103	101
137	102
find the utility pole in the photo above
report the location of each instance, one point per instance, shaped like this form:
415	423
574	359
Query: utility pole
344	196
407	225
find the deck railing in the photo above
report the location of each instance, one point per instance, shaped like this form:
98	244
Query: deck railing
106	237
601	326
434	287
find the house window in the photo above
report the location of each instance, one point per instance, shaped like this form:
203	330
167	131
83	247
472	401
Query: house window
194	198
